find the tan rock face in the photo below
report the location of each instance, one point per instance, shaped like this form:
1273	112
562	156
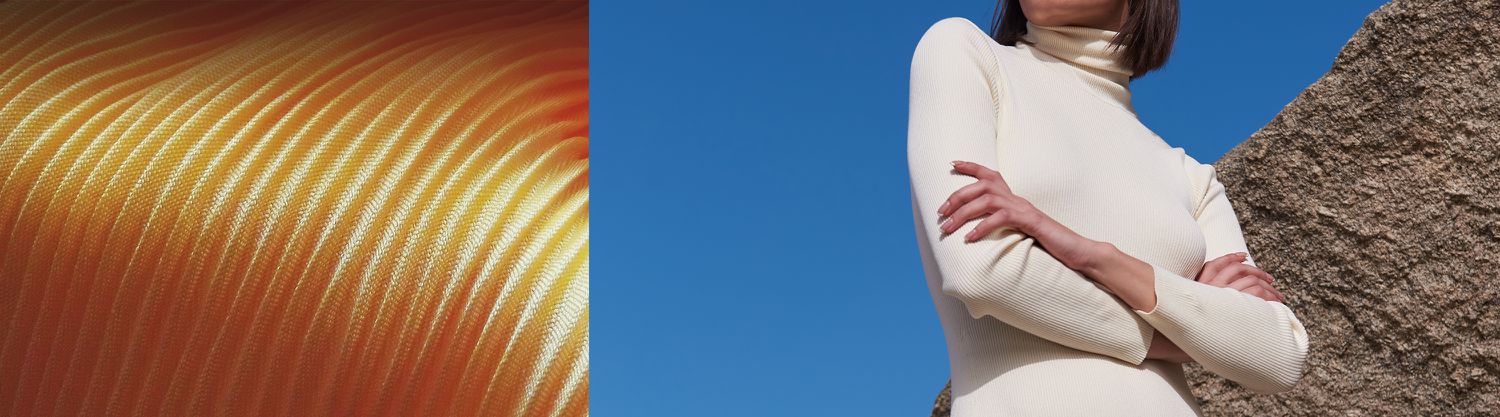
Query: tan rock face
1374	198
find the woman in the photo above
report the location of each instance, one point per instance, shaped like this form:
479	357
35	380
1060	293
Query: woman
1064	243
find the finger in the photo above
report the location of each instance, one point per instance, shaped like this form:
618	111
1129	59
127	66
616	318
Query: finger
1261	293
963	195
1279	295
975	170
969	211
1259	273
1243	283
983	173
1212	268
1254	286
1271	293
1225	275
1233	272
996	220
1229	259
1239	270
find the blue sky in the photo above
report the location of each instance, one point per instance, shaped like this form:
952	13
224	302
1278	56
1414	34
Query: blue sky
753	248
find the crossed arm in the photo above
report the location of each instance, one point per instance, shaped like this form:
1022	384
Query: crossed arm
1042	278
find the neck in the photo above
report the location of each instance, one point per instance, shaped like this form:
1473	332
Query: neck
1089	51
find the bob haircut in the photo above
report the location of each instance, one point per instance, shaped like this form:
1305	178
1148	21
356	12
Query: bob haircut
1147	35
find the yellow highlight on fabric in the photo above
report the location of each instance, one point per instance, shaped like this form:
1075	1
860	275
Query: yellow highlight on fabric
272	208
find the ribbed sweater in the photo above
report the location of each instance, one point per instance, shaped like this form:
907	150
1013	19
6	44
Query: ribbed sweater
1027	336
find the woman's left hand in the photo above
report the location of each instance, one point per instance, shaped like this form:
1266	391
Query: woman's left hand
1229	271
992	196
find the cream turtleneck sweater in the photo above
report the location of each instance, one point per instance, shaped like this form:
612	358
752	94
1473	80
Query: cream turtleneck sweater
1026	335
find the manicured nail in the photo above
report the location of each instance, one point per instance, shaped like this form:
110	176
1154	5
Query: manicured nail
945	225
955	163
944	208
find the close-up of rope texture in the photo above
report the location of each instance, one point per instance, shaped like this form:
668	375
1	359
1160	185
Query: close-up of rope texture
294	209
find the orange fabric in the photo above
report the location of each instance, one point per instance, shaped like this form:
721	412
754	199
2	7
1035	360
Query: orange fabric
294	209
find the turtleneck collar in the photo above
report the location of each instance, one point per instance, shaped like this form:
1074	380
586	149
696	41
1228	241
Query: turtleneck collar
1087	49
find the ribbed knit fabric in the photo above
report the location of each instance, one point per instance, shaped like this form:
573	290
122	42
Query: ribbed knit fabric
1027	336
294	209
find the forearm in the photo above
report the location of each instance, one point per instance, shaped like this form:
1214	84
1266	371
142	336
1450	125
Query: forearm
1128	278
1010	278
1162	348
1131	279
1258	343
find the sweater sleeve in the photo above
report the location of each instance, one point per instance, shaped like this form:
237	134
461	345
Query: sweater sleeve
1259	344
955	87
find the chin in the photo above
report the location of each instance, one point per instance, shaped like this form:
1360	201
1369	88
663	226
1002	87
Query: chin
1067	13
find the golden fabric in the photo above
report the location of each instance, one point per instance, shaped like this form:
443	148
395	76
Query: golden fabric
294	209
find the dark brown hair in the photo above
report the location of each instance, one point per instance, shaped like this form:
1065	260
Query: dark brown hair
1147	35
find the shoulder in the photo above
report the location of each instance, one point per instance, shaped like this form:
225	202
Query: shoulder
953	41
951	30
955	54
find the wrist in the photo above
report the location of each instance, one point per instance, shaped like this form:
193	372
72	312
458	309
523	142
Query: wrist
1131	279
1074	250
1098	258
1163	349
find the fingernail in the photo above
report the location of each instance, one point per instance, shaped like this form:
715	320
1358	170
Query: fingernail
955	163
944	208
945	225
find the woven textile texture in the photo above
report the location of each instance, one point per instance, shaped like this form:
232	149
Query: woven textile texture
260	208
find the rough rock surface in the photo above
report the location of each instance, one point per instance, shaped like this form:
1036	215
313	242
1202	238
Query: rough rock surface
1374	198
